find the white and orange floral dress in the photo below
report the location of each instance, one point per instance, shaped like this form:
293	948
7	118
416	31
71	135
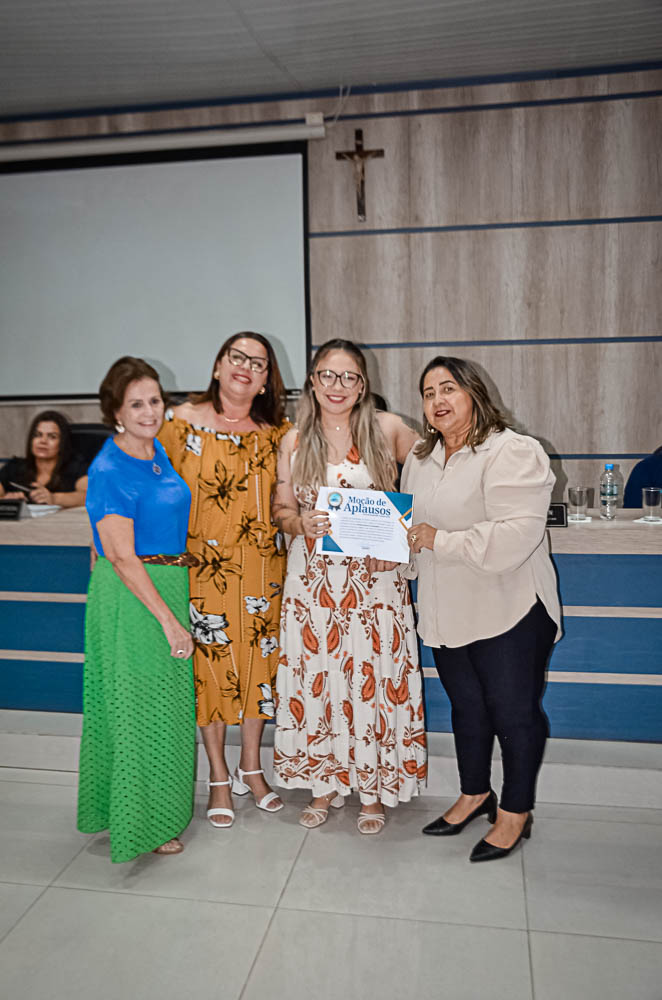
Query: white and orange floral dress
349	690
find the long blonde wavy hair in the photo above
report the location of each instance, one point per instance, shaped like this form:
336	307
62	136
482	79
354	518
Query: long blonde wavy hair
309	468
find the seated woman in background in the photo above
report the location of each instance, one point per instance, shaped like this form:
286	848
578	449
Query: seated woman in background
648	472
50	472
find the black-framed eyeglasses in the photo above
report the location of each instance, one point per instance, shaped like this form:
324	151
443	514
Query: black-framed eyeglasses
238	358
348	380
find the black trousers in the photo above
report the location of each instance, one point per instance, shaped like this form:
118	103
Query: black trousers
495	688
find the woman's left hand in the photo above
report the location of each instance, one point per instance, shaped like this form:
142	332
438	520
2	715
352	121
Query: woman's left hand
41	495
421	536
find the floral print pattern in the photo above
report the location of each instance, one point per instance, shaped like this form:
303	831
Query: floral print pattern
266	702
349	689
255	605
236	586
194	444
208	628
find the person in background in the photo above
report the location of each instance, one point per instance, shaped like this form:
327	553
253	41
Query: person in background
487	596
138	746
350	702
50	473
648	472
224	443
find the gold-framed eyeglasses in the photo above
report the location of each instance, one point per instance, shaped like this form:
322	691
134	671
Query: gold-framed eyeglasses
238	358
348	380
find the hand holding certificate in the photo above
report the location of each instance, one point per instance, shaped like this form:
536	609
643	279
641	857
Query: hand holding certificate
366	523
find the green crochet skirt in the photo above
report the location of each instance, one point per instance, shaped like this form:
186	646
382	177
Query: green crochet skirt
138	747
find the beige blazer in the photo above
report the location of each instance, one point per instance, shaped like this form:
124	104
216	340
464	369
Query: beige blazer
490	556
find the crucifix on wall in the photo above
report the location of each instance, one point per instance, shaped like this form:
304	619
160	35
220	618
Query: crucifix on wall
357	157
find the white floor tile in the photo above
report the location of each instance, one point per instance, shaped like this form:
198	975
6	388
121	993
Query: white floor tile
34	776
249	863
38	834
404	874
14	901
329	956
602	814
595	878
569	967
586	784
78	944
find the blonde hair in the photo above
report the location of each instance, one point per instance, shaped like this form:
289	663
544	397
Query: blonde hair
309	468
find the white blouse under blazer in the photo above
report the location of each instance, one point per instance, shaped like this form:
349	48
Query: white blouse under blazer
491	558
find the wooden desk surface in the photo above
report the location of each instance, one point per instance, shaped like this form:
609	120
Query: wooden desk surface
597	537
618	537
64	527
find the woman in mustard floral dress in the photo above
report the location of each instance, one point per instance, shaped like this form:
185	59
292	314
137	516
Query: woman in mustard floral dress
224	443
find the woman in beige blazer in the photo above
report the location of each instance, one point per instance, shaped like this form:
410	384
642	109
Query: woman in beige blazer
487	595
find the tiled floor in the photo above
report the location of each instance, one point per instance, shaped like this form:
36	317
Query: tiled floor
269	910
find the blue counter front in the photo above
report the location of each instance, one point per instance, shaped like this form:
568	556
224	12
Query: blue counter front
605	676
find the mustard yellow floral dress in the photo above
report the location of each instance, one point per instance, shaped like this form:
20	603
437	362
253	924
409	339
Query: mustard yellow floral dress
237	585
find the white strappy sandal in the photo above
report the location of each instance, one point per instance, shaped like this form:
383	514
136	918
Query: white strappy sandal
371	823
313	816
239	787
220	811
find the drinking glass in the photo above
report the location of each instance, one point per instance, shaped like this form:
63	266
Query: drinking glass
578	497
651	497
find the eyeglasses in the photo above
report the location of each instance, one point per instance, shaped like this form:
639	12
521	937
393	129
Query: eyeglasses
348	380
238	358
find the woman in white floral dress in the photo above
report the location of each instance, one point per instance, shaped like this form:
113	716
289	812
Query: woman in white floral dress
350	705
224	443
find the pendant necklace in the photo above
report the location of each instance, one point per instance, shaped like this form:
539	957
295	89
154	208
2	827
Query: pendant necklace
156	468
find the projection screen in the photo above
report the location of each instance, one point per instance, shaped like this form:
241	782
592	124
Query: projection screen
162	260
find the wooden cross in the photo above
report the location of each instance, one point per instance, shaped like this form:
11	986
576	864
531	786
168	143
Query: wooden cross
357	158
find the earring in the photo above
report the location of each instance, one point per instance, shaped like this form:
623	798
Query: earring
119	427
262	391
429	429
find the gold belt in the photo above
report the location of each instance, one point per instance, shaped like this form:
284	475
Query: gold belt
185	559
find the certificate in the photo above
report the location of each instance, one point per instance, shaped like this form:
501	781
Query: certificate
366	523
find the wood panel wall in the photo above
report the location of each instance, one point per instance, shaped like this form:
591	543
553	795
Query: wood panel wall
516	224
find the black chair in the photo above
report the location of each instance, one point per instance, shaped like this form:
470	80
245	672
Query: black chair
88	439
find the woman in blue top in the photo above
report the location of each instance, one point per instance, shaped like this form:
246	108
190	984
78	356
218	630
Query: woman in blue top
138	745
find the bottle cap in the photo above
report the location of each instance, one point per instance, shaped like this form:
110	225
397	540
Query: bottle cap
609	465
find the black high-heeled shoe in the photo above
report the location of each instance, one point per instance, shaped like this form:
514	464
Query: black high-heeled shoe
489	852
442	828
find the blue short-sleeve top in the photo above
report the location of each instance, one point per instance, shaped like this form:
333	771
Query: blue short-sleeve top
158	502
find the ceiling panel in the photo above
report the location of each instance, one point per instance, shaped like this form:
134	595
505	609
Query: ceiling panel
77	54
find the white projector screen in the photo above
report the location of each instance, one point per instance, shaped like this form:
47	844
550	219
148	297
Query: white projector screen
162	260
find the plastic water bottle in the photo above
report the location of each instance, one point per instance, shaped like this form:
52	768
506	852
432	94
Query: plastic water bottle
608	493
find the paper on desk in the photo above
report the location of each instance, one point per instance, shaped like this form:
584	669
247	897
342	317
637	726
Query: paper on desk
39	509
